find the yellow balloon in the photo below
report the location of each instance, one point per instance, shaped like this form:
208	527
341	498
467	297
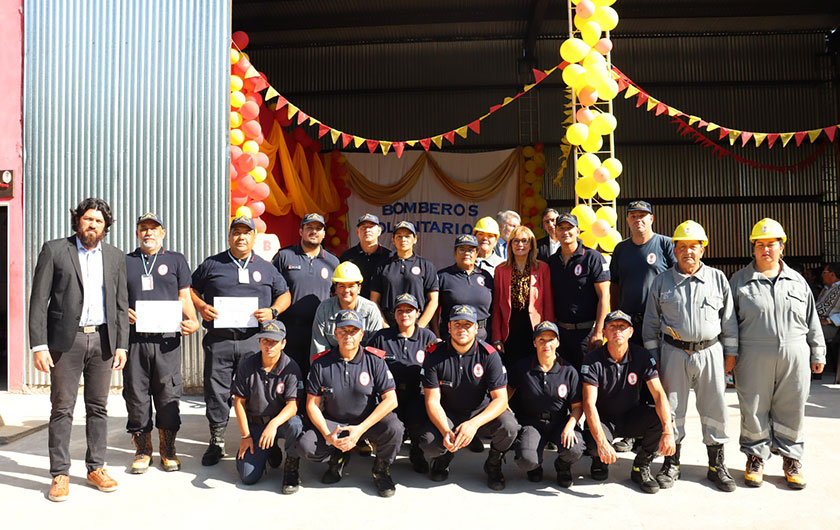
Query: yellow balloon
600	2
580	21
587	163
593	57
258	173
608	214
235	119
609	190
530	165
251	147
530	177
538	186
609	241
609	90
606	17
244	211
603	123
577	133
236	137
585	216
592	144
539	159
597	75
613	166
541	203
234	56
590	32
236	83
588	239
237	99
528	151
586	187
573	50
528	202
573	76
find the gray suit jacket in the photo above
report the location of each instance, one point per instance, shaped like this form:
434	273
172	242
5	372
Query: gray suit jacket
55	304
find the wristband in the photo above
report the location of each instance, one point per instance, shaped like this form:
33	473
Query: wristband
245	437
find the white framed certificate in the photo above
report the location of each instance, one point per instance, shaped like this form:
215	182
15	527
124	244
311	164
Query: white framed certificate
236	311
158	316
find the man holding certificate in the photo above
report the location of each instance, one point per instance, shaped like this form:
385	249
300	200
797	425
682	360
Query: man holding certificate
233	291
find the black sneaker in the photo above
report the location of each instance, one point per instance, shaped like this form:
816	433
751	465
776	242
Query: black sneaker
642	476
564	473
493	468
291	477
212	455
439	469
336	467
599	470
382	478
535	475
625	445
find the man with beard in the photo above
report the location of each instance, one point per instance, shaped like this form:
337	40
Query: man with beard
368	255
78	324
153	369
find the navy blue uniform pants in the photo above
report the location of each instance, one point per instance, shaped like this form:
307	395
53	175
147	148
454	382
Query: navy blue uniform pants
532	439
153	375
502	432
386	436
252	465
221	357
641	422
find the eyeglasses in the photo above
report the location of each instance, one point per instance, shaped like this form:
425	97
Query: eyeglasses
466	250
520	241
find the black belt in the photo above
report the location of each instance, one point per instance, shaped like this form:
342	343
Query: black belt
258	420
144	335
232	333
91	329
580	325
690	346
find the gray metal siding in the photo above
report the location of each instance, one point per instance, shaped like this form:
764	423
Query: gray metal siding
127	101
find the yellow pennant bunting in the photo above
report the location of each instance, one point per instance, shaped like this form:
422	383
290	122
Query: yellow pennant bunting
462	131
733	135
672	111
411	143
506	101
313	121
526	88
335	134
692	120
652	103
630	92
271	93
786	138
812	135
759	138
358	141
712	126
292	111
385	146
438	140
251	72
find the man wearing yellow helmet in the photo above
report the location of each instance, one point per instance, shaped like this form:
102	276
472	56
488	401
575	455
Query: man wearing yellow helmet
689	325
486	232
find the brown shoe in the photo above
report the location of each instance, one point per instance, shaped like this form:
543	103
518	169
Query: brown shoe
168	458
60	488
793	473
100	479
143	454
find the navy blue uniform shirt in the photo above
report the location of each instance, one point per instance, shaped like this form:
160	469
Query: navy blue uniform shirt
404	355
349	390
634	267
539	392
219	276
309	279
619	384
266	393
170	273
367	263
415	276
465	381
573	284
457	287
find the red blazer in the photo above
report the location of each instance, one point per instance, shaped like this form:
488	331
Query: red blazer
541	299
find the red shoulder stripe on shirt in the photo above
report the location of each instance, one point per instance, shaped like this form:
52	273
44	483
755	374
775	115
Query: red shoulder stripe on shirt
376	351
319	355
432	348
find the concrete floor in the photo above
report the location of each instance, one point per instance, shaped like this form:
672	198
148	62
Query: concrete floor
211	497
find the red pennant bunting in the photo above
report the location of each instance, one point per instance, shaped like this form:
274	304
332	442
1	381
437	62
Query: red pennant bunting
622	84
702	124
398	148
302	117
426	142
641	99
771	139
661	108
322	130
476	127
450	136
539	75
829	132
745	137
372	145
494	108
345	139
724	132
281	102
799	137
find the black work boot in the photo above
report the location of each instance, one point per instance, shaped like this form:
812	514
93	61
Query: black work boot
291	477
418	461
641	473
670	471
599	470
440	467
493	468
476	445
168	457
382	478
216	450
717	469
143	453
535	475
335	469
275	456
564	473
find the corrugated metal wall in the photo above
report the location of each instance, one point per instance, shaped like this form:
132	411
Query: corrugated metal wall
127	101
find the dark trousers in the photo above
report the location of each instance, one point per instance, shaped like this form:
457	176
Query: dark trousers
298	342
412	411
530	444
91	356
221	358
252	465
153	374
519	342
574	343
641	422
502	432
386	436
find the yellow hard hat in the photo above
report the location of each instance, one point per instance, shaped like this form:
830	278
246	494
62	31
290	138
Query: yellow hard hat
768	229
690	231
487	225
347	272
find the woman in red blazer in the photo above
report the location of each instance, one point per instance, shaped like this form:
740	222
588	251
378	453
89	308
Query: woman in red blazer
522	297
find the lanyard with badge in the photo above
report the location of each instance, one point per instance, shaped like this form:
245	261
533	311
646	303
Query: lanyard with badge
243	271
147	281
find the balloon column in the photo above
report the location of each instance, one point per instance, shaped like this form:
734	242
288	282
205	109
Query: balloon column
588	74
531	201
248	166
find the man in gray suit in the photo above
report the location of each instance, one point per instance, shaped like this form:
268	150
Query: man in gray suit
78	324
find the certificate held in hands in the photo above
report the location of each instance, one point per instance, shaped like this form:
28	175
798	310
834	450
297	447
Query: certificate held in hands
158	316
235	311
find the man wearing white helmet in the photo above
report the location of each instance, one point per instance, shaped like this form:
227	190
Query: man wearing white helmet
689	325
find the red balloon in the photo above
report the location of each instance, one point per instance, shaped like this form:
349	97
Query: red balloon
282	116
343	209
262	159
251	129
255	84
260	192
539	147
235	151
342	234
529	192
249	110
257	207
539	171
259	139
240	38
260	225
299	134
241	66
246	162
233	172
344	193
316	146
255	97
247	184
533	211
306	141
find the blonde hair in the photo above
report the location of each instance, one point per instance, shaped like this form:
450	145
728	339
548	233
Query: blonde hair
517	233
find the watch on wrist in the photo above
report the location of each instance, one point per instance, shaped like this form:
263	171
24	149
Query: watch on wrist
275	314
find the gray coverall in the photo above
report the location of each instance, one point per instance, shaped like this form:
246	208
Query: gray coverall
698	308
780	335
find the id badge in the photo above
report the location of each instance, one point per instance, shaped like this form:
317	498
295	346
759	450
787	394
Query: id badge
147	282
243	276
